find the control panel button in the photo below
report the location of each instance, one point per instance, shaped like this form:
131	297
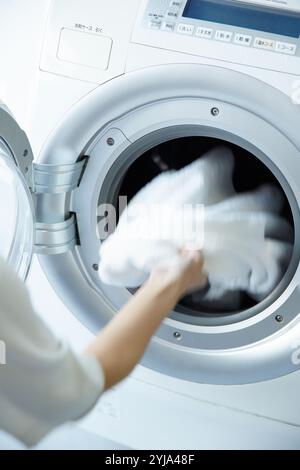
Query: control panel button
225	36
175	4
172	14
184	28
243	39
264	43
168	26
155	16
154	24
206	33
286	48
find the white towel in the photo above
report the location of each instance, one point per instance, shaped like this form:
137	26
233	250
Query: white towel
245	242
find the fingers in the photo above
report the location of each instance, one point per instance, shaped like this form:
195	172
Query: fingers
195	277
187	274
195	257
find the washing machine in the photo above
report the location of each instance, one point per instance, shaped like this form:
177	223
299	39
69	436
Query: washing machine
115	84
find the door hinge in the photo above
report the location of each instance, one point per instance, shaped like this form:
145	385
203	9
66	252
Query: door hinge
55	238
56	226
55	179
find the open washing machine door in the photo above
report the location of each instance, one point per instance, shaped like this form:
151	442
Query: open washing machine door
17	215
104	149
21	182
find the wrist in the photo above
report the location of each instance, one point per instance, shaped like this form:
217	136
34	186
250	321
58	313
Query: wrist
173	288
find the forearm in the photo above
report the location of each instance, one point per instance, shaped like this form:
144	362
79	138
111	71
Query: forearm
120	346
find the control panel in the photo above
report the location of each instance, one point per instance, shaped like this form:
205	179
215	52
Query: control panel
269	25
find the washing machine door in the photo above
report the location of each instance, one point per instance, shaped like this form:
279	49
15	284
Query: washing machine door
106	146
16	200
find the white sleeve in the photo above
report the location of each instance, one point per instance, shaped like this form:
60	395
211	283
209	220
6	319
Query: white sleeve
43	383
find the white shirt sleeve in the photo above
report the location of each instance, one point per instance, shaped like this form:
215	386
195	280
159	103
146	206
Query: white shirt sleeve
43	383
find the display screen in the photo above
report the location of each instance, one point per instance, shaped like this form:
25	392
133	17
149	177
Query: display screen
248	16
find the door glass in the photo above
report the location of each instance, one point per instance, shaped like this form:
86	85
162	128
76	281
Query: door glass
16	217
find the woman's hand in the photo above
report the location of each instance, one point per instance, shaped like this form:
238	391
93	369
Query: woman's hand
122	343
185	276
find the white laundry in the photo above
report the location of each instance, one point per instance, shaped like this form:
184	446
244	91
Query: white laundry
246	243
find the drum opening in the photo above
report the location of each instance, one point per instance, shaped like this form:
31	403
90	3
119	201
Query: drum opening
249	173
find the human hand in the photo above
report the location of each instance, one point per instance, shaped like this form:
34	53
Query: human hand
185	276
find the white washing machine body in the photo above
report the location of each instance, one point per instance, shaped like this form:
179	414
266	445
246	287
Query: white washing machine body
136	76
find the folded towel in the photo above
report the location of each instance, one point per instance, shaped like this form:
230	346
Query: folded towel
246	243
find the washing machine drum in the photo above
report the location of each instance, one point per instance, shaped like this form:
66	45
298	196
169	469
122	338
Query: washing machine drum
113	142
250	173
